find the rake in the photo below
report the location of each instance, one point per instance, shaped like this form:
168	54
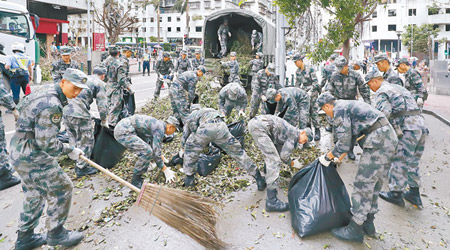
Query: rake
187	212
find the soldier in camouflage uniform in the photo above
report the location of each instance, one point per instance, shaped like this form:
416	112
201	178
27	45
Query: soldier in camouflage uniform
413	81
327	71
353	119
183	63
233	66
256	40
399	106
256	65
232	96
223	33
293	102
164	69
34	150
123	56
276	139
264	79
77	118
205	126
198	60
306	79
65	62
383	64
182	92
143	135
104	55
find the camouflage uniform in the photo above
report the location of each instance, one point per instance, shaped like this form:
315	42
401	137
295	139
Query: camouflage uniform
327	72
296	103
392	99
182	93
351	119
234	70
163	69
206	126
307	80
116	75
6	100
104	55
77	117
345	87
222	34
59	67
126	63
260	83
255	66
183	65
257	40
197	62
142	135
232	96
392	77
414	83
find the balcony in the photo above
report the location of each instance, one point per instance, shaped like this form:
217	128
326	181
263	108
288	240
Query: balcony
439	19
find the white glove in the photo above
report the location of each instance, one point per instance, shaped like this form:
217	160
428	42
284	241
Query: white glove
420	102
170	175
164	160
16	114
105	124
75	154
296	164
181	153
242	113
263	98
324	161
229	34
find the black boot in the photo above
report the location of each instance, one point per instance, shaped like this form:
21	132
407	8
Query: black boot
63	237
85	171
260	181
351	232
189	181
29	240
137	180
265	169
413	196
8	181
394	197
351	155
369	227
273	204
317	134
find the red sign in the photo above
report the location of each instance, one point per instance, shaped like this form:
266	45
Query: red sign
99	42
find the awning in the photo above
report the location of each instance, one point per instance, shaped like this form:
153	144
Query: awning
48	25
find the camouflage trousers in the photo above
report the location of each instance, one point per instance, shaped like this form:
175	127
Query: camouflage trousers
256	128
255	103
234	78
314	113
5	168
43	181
126	135
179	102
218	133
81	135
223	46
115	103
372	170
159	84
405	164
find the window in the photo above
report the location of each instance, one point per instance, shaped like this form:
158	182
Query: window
412	12
374	14
169	29
144	20
178	29
160	19
392	27
169	19
178	19
374	28
14	24
136	7
152	19
144	29
433	11
198	29
207	5
392	12
195	5
152	29
447	11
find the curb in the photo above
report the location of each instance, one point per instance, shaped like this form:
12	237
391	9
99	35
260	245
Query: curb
436	115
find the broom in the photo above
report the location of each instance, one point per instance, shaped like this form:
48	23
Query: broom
187	212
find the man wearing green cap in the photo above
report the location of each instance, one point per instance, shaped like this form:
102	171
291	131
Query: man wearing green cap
222	34
34	151
256	65
276	139
351	120
413	81
327	71
233	66
383	64
198	59
183	63
164	69
65	62
264	79
232	96
399	106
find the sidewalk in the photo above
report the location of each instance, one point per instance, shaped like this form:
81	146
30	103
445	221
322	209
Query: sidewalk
440	104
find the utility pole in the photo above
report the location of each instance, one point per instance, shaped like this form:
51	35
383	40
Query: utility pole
89	52
412	35
280	56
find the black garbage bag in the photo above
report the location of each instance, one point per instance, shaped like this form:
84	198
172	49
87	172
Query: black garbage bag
269	108
63	136
107	151
129	105
318	200
208	162
176	160
196	99
237	129
168	138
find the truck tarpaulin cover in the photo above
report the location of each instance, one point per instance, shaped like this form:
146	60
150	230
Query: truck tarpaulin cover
318	200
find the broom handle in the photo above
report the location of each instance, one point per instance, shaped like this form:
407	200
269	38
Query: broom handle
108	173
345	154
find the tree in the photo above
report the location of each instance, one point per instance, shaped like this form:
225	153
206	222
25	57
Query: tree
421	37
347	16
114	19
183	6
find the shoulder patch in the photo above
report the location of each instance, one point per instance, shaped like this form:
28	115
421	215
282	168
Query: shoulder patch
56	118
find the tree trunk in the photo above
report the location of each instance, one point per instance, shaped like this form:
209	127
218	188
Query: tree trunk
346	49
187	21
158	24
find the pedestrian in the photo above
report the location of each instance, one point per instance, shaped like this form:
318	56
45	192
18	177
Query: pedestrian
164	70
223	33
306	79
413	81
78	120
146	62
198	60
232	96
353	119
404	114
256	65
293	102
182	92
264	79
54	50
276	139
34	150
143	135
327	71
183	63
205	126
65	62
383	65
233	66
21	68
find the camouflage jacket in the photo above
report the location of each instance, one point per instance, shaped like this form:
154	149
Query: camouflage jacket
115	74
233	66
293	99
346	86
241	99
126	63
257	39
6	99
392	77
414	83
80	106
104	55
307	80
223	31
256	65
59	68
196	119
391	99
188	82
261	82
327	72
164	68
197	62
41	115
183	65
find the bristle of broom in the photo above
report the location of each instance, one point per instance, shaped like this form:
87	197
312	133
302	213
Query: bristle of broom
187	212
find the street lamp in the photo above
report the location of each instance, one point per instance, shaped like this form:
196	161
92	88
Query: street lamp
399	33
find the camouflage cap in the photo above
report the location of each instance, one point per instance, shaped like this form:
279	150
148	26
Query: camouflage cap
380	57
324	99
64	51
298	56
173	120
372	74
260	54
270	95
99	70
76	77
340	62
309	134
195	107
202	68
125	48
271	68
198	51
183	52
233	92
233	53
333	57
113	49
166	54
402	60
